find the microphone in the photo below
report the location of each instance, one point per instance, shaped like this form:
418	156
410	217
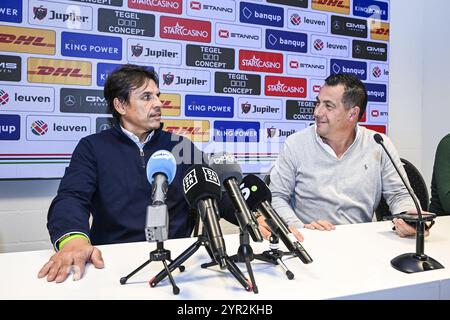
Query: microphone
230	175
161	169
418	261
259	199
201	186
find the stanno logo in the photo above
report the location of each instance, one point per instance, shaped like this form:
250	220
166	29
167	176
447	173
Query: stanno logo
307	66
238	35
220	10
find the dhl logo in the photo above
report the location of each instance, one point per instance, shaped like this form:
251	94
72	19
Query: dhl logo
197	131
379	30
59	71
339	6
171	104
27	40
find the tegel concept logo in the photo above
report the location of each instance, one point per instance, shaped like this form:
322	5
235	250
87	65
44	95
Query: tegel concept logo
369	50
371	9
27	40
209	57
11	11
253	108
293	3
185	29
302	110
91	46
154	52
184	80
60	15
27	98
238	35
10	68
59	71
9	127
279	131
260	61
209	106
379	30
339	6
376	92
82	101
348	26
236	131
126	22
285	87
356	68
307	21
220	10
237	83
103	70
329	46
306	66
169	6
56	128
379	72
260	14
286	41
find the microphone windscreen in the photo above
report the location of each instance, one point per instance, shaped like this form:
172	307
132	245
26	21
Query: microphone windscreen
200	182
255	191
162	161
226	166
378	138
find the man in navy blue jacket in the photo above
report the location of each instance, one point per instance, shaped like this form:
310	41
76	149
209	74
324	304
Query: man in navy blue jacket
107	178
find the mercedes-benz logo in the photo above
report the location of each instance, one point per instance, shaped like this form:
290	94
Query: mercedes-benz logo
336	25
69	100
358	49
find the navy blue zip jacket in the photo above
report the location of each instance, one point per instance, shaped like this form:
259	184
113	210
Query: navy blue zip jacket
107	178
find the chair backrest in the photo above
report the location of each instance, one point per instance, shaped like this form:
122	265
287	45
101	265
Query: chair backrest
417	184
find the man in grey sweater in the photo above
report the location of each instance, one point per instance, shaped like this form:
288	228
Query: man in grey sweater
333	172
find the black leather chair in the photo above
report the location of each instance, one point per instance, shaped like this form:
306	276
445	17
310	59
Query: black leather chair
417	184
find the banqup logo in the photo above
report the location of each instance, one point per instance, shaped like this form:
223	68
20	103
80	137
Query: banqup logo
169	6
376	92
285	87
154	52
103	70
184	80
126	22
306	66
11	11
59	71
329	46
307	21
209	106
371	9
236	131
369	50
356	68
260	14
286	41
209	57
220	10
260	61
27	40
339	6
82	101
185	29
238	35
237	83
91	46
27	98
348	26
56	128
253	108
10	68
9	127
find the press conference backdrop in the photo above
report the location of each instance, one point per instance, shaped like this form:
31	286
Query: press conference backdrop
238	76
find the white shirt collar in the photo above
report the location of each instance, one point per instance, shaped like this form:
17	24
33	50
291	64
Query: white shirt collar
135	138
327	147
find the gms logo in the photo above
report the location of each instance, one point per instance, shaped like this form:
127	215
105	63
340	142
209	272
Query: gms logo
370	9
238	35
59	71
185	80
348	26
379	72
286	41
60	15
376	92
220	10
378	113
169	6
9	127
82	101
237	83
329	46
209	57
252	108
306	66
307	21
154	52
285	87
103	70
379	30
209	106
197	131
339	6
300	110
126	22
279	131
11	11
260	61
356	68
236	131
91	46
259	14
171	104
10	68
27	40
21	98
369	50
48	128
185	29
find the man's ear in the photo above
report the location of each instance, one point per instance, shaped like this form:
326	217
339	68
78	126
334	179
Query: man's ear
354	113
119	106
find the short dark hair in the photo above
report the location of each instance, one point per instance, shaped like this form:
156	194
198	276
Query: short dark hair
355	93
122	81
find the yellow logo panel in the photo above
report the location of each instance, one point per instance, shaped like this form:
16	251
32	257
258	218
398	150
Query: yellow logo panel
197	130
27	40
379	30
59	71
171	104
339	6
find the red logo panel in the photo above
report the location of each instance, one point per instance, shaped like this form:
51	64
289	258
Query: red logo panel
185	29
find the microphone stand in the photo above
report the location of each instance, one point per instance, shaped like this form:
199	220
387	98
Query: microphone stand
274	255
202	240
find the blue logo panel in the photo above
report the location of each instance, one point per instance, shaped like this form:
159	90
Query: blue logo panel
209	106
9	127
91	46
259	14
376	92
286	41
103	70
236	131
11	11
356	68
371	9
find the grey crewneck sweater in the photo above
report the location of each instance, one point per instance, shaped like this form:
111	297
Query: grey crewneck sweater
309	183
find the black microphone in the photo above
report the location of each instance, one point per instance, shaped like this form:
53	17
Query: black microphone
259	199
201	186
418	261
230	175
